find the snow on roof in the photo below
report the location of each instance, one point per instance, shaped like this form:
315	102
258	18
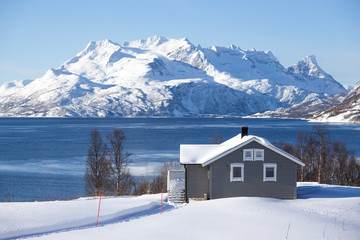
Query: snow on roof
205	154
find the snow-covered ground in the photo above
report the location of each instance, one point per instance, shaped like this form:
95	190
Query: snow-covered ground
321	212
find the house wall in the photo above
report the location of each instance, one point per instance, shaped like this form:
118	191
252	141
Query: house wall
253	185
197	181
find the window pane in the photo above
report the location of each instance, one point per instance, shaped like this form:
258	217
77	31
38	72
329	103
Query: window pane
270	172
248	154
237	172
258	154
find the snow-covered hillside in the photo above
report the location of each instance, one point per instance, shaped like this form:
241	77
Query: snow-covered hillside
321	212
166	77
304	110
348	110
342	107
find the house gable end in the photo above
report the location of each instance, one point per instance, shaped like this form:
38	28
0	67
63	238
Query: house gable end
269	146
249	176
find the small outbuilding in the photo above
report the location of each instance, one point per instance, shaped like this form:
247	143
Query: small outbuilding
244	165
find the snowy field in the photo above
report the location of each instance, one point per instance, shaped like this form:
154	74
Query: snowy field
321	212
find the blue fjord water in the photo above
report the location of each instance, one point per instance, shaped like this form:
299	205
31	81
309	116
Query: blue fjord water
44	159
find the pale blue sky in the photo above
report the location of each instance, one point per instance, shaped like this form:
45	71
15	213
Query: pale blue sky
36	35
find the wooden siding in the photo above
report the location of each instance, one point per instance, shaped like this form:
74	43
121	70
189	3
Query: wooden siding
197	182
253	185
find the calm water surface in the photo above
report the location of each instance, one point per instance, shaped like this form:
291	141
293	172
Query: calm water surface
44	159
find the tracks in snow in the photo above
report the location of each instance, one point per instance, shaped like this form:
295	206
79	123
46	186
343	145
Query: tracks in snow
121	216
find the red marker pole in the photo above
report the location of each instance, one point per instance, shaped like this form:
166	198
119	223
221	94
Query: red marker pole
97	220
161	201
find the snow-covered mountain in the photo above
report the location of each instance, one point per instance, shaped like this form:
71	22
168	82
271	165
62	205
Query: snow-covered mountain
346	111
166	77
309	72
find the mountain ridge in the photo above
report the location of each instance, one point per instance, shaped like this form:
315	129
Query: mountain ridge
166	77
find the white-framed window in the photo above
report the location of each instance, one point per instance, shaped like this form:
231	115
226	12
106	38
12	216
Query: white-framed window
253	155
270	172
237	172
248	155
259	155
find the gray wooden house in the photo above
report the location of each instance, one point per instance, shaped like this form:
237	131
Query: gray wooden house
244	165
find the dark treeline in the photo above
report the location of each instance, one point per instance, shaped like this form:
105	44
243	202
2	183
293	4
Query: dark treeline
326	161
107	169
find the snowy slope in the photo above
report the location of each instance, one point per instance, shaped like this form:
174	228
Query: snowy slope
346	111
321	212
165	77
34	218
304	110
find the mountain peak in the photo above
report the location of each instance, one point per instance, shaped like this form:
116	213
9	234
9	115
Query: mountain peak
261	56
308	66
311	60
230	48
270	54
103	43
156	39
185	39
235	48
146	43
